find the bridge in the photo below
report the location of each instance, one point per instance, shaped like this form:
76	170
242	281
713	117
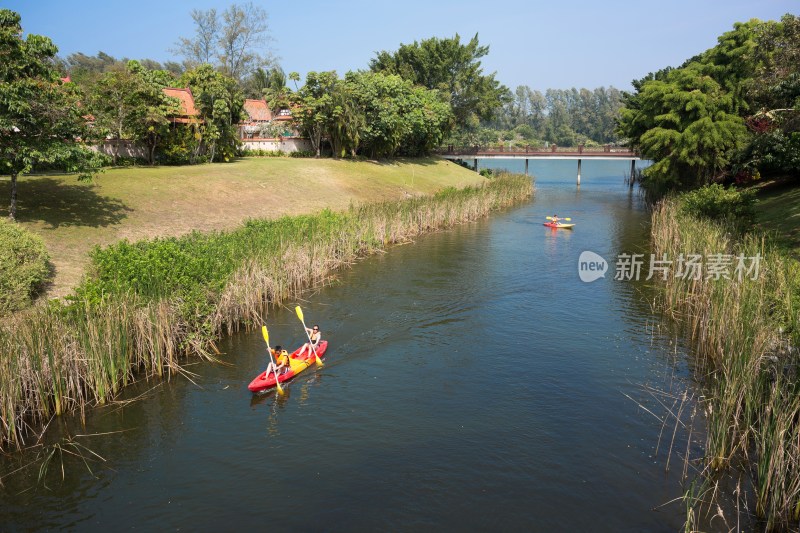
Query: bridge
578	154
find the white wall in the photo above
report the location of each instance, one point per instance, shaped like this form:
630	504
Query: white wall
286	145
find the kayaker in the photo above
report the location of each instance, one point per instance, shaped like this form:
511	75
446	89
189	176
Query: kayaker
315	335
281	360
554	219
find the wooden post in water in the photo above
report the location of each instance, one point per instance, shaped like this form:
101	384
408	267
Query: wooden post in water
633	172
476	164
579	172
526	166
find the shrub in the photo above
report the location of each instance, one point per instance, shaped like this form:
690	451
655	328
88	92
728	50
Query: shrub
23	266
730	205
257	152
302	153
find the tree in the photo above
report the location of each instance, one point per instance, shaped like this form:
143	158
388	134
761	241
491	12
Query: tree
452	68
220	102
391	116
275	91
316	106
686	125
130	104
202	48
40	117
773	93
235	41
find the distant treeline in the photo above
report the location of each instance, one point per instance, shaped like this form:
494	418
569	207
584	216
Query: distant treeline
564	117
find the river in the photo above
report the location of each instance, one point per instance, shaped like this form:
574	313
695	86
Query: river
472	382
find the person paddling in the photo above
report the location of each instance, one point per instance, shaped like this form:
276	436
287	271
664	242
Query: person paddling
281	362
554	219
315	335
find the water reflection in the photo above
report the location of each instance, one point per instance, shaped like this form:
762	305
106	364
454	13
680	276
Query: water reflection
471	371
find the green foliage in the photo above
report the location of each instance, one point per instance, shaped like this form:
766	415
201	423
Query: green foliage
221	103
263	153
40	117
686	125
398	118
370	113
317	108
23	266
734	206
234	41
302	153
452	68
128	103
691	120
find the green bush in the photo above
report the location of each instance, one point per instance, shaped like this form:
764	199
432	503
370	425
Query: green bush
302	153
262	153
730	205
23	266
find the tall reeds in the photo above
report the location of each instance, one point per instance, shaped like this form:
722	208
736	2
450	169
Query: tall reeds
745	334
146	305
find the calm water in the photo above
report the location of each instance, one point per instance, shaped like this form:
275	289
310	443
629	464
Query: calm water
473	382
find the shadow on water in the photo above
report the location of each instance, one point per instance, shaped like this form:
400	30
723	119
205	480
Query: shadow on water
57	204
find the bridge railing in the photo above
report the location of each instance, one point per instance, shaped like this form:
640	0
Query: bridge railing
533	150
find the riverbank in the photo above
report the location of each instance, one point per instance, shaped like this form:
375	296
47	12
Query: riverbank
148	304
146	202
744	330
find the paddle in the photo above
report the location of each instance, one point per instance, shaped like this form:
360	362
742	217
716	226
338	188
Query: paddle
310	344
551	218
274	366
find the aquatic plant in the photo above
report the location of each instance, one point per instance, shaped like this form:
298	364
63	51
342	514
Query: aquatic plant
146	305
745	333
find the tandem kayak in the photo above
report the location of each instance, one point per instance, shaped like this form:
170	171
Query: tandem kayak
559	225
263	382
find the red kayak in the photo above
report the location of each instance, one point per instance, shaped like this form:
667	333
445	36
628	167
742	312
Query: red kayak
558	225
263	382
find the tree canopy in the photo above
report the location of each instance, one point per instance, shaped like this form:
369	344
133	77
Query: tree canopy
729	112
235	40
452	68
40	116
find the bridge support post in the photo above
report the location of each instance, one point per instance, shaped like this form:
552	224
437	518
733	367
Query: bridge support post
526	166
579	172
633	172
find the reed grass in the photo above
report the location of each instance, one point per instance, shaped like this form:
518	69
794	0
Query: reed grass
144	306
745	333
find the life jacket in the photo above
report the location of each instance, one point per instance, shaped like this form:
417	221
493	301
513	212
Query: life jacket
283	359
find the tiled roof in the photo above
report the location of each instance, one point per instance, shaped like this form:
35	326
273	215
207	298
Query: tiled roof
188	110
257	110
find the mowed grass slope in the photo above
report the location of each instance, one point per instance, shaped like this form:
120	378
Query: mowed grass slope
779	213
139	203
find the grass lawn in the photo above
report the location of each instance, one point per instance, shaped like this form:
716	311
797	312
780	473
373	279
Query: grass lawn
779	213
142	202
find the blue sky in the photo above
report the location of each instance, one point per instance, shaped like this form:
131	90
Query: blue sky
543	44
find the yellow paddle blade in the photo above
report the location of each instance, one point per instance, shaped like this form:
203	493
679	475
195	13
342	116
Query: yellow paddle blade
265	333
296	364
280	389
299	313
